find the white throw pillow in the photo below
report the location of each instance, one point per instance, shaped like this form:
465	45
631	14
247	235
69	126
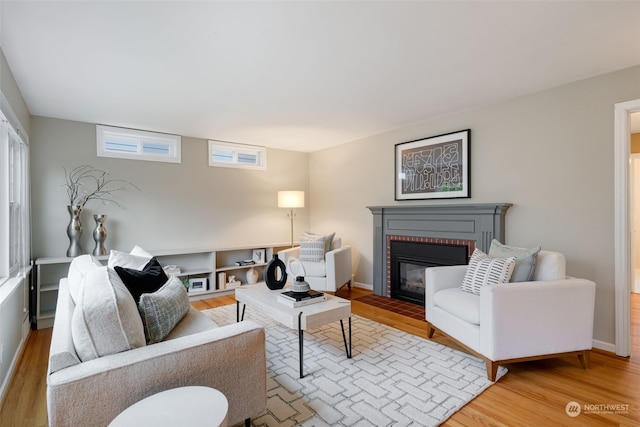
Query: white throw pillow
138	251
78	269
484	270
127	260
105	320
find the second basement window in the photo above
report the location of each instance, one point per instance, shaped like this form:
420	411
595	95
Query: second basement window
137	144
232	155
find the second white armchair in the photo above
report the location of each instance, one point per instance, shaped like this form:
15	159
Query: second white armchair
328	275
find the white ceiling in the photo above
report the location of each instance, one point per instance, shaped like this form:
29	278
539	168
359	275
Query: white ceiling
301	75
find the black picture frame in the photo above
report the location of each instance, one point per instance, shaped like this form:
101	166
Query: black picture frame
437	167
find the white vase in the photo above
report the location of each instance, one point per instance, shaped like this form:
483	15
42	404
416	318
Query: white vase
252	275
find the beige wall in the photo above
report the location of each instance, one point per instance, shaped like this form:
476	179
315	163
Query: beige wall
187	205
549	153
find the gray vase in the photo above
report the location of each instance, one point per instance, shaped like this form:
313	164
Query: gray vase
74	230
100	235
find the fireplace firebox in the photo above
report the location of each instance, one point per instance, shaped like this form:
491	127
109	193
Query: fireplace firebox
409	260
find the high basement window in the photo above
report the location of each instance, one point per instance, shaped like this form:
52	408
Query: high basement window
233	155
134	144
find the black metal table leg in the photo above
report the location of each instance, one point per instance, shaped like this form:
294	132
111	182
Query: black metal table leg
300	343
238	317
344	338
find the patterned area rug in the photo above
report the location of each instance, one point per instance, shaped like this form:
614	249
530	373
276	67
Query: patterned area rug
393	379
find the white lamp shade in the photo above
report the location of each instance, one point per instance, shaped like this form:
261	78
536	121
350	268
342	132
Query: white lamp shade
291	199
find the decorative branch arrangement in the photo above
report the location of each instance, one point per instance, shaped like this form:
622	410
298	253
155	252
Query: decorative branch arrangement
86	183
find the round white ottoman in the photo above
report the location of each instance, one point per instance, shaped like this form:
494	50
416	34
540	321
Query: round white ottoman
184	406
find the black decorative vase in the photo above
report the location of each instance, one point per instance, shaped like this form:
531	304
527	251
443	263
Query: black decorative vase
271	273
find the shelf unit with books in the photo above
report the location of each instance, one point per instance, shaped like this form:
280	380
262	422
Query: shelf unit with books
194	264
199	263
226	266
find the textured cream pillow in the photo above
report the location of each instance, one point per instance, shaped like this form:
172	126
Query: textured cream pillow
163	309
78	269
483	271
328	239
312	248
105	320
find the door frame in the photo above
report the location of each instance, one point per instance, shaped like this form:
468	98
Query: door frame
634	221
622	243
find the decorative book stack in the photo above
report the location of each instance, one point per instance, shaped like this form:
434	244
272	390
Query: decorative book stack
171	269
299	299
232	284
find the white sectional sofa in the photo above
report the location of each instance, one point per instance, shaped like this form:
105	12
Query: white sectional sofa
196	352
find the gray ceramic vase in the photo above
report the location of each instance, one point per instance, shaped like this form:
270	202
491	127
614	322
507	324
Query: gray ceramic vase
74	230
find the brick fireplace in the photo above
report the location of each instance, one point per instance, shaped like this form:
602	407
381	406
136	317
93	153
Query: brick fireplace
456	224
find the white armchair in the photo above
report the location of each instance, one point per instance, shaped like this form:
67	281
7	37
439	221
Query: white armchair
328	275
549	316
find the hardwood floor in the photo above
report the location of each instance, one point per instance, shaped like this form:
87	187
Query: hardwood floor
531	394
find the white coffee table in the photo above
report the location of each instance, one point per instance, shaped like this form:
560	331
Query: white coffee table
183	406
260	298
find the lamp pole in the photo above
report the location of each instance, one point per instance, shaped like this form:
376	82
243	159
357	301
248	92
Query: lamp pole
291	214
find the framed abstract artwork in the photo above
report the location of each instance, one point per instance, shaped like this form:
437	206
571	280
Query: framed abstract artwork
433	168
259	256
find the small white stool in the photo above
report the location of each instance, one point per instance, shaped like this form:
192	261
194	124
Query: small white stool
184	406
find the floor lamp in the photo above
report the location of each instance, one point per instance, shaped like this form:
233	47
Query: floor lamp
291	200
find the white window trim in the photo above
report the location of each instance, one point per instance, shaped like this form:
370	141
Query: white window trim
237	149
4	200
14	260
174	142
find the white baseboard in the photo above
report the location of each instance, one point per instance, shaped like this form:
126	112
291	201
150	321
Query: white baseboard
12	368
606	346
362	285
